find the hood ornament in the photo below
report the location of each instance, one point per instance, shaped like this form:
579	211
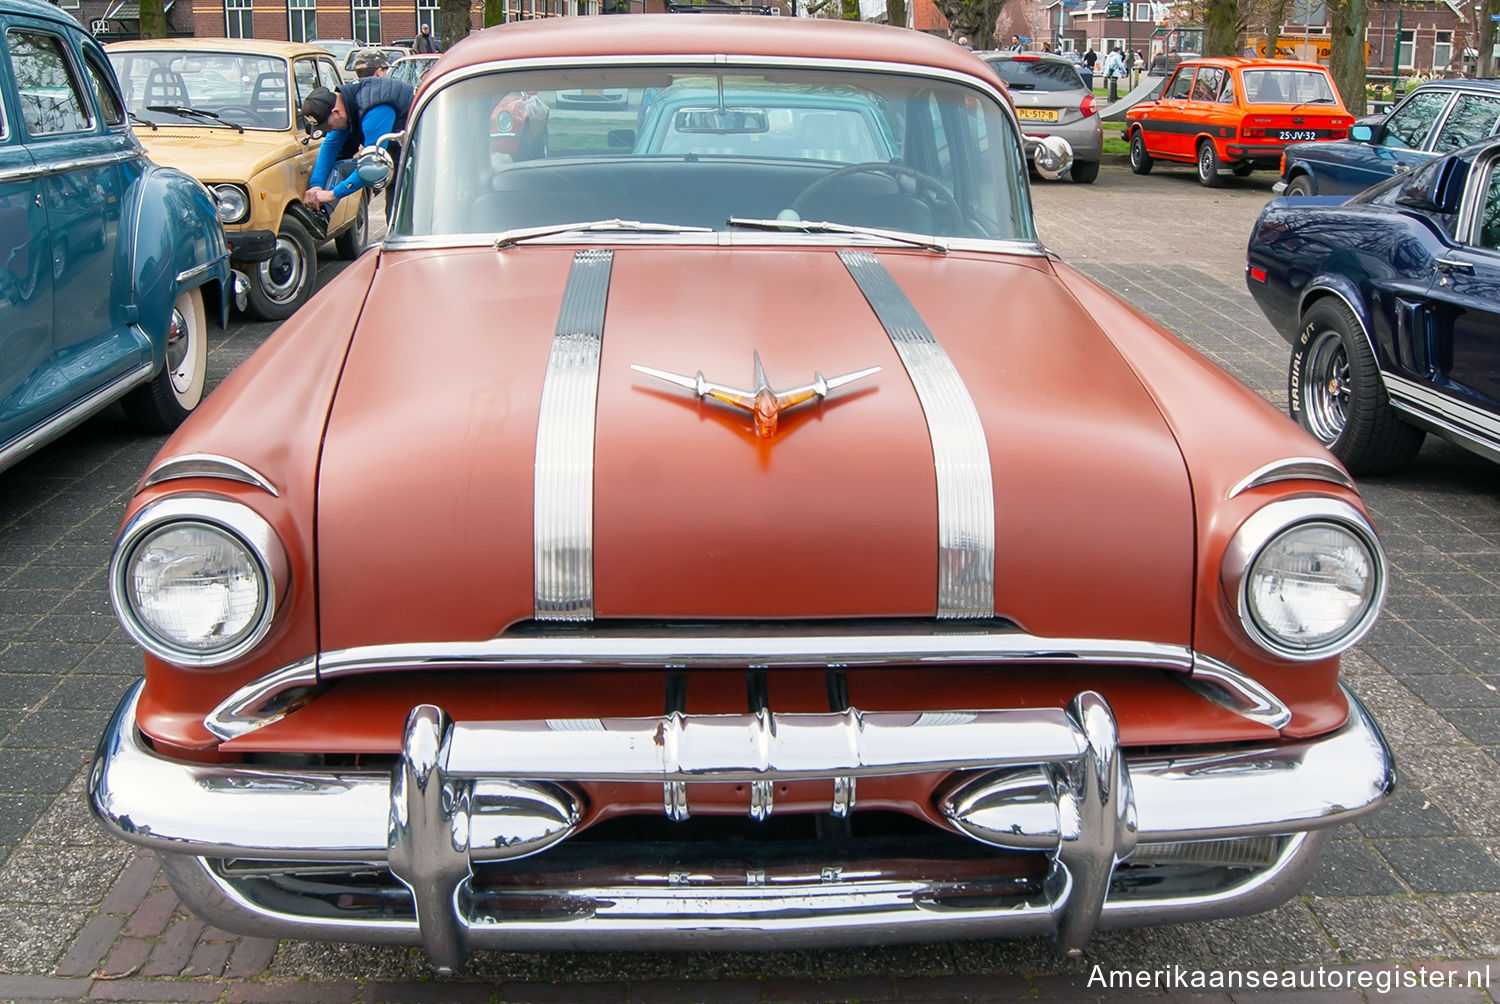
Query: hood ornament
765	404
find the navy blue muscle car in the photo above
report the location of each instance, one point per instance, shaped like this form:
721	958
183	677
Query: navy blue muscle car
1391	302
1434	119
106	260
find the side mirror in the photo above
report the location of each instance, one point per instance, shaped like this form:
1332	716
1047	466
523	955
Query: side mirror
375	167
1361	133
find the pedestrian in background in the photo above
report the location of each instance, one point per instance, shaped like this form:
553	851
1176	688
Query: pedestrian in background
371	63
1114	69
424	42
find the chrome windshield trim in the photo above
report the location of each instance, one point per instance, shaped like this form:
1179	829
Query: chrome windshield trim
716	238
1222	684
563	495
1293	469
103	397
960	452
66	166
206	465
260	702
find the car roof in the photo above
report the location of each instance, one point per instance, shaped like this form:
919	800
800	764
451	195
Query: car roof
258	46
1247	63
1025	57
568	38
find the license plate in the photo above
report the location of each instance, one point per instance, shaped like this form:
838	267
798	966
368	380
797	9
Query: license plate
1296	135
1037	114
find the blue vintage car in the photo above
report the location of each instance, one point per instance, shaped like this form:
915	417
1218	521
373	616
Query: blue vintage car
1434	119
1391	302
106	260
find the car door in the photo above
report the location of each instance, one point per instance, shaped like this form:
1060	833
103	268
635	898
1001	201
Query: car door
29	388
85	151
1162	124
1466	296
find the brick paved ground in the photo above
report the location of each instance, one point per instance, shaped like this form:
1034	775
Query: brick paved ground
83	917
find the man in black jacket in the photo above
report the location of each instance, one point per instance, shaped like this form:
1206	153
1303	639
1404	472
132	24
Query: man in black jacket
424	41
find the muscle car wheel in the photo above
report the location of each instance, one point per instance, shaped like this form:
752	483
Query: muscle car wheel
161	404
1300	185
1140	160
1209	165
352	241
1337	395
283	282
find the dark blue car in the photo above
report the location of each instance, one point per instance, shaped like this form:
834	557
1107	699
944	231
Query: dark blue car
1434	119
107	261
1391	303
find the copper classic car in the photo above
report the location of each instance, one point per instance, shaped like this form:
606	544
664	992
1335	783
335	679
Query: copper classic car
726	548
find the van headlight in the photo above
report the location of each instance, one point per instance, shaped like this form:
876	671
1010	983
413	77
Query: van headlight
195	579
1307	577
232	202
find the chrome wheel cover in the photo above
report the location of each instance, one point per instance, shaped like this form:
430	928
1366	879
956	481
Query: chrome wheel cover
1324	387
283	275
179	352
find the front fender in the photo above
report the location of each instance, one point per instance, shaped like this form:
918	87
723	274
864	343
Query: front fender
177	244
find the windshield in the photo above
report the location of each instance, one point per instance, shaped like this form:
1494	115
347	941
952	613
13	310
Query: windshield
1288	87
1038	74
240	88
697	146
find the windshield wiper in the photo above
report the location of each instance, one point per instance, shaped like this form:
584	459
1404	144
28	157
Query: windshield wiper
144	121
185	110
513	237
825	227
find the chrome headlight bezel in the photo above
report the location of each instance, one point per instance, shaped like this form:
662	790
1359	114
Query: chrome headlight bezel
239	522
1267	525
231	202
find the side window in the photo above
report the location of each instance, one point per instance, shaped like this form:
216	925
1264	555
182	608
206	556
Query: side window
104	90
1473	117
51	98
306	73
328	75
1409	125
1226	93
1206	86
1181	85
1489	212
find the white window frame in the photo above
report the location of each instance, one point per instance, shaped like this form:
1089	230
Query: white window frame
427	13
1143	13
360	26
296	13
1442	49
1407	39
239	13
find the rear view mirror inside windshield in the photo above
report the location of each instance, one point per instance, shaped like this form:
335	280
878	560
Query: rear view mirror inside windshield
721	120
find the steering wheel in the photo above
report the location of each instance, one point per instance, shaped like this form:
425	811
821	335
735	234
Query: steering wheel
946	215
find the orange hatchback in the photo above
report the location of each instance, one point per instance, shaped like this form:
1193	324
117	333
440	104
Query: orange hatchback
1235	114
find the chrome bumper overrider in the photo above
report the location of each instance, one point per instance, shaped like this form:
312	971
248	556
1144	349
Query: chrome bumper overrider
468	799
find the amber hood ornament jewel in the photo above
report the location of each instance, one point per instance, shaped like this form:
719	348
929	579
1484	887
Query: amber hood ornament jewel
765	404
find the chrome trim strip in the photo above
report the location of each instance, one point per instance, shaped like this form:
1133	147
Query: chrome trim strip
1293	469
73	415
67	166
563	499
718	238
965	485
1222	684
206	465
1409	395
256	703
234	518
190	274
1259	529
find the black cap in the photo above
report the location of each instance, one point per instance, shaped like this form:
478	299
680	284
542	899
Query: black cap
317	106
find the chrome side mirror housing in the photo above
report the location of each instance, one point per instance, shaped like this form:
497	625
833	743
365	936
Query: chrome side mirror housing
1053	157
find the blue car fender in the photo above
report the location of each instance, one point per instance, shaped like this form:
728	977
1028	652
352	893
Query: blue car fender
1339	285
177	244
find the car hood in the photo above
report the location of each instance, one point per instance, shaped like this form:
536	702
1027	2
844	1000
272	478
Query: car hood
218	154
425	520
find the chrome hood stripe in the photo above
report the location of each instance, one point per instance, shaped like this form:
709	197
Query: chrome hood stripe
965	486
563	510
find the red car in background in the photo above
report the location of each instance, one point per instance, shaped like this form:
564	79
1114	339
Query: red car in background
518	126
1236	115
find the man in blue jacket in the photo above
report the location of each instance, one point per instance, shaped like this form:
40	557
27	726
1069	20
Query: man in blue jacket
352	117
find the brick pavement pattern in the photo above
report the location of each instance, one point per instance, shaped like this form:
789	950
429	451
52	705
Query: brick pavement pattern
1403	900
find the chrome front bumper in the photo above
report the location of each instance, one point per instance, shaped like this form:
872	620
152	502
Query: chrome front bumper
471	798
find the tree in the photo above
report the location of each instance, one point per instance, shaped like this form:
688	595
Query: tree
1346	37
974	18
454	22
1486	33
1275	17
895	12
153	19
1221	27
494	12
849	10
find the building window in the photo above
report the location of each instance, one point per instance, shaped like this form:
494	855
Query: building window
427	13
1143	12
1442	50
1407	44
367	22
239	19
301	20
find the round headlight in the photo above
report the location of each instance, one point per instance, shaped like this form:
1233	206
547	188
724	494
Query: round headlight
1309	576
504	123
193	580
233	203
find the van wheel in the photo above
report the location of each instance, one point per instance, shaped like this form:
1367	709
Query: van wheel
283	282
